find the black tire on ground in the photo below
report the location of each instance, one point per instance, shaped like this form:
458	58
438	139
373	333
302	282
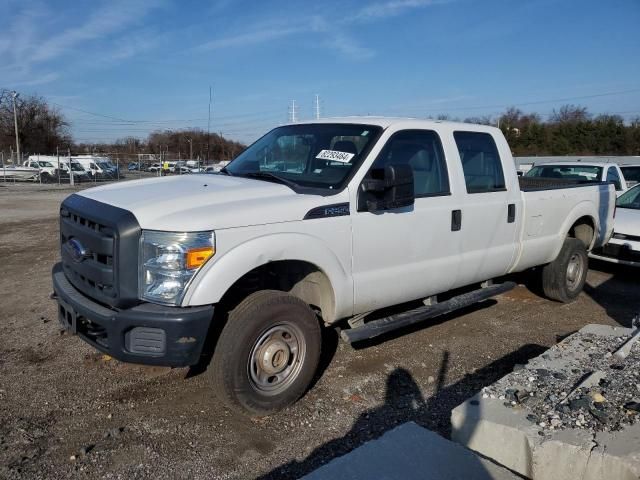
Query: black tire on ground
267	353
563	279
46	178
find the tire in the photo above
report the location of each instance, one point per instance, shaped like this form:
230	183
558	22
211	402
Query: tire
46	178
267	353
563	279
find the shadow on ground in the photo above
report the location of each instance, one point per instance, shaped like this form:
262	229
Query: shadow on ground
620	294
404	402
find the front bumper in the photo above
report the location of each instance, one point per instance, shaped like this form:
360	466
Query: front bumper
147	333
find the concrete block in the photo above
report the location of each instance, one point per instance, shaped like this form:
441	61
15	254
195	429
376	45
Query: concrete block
411	452
506	435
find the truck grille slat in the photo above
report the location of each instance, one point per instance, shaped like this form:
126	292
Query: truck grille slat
99	249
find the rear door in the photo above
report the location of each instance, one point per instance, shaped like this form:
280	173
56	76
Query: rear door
491	208
410	252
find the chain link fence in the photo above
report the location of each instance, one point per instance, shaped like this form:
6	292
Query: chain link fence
99	168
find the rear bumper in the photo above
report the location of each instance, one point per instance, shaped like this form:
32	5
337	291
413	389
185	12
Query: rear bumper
147	333
618	252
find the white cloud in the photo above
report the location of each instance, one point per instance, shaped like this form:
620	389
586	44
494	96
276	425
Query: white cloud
33	39
252	37
391	9
333	31
348	47
111	18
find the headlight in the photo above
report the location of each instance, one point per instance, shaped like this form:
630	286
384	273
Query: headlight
168	262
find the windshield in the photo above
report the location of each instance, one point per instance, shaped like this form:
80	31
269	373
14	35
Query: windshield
76	167
631	173
312	155
45	164
630	199
573	172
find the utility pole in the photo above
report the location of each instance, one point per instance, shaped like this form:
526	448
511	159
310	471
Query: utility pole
71	180
316	106
190	140
209	124
15	95
293	112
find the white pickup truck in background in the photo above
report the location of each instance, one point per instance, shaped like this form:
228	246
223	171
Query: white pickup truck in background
581	172
316	224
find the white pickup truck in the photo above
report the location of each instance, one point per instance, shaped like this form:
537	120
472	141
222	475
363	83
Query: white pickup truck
581	172
316	224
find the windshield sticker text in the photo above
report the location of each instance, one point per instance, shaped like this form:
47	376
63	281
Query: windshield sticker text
335	156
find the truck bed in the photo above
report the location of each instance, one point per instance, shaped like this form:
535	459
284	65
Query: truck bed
534	184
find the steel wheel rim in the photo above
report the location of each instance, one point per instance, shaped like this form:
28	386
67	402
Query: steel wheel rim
276	358
575	269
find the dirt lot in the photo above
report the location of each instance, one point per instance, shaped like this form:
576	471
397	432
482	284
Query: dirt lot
68	411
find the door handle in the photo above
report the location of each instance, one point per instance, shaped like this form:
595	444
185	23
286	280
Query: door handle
456	220
511	213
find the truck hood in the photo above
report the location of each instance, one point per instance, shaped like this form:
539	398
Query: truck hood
627	221
206	202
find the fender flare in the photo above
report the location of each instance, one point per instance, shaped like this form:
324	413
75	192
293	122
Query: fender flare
217	276
582	209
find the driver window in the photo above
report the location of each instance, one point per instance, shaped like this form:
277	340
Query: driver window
422	150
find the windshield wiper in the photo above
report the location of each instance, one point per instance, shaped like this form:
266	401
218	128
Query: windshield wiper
225	171
270	177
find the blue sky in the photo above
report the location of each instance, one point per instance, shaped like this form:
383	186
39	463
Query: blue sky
142	65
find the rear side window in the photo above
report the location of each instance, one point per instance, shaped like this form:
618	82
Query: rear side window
480	162
422	150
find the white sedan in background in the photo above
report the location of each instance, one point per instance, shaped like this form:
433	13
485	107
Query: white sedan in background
624	246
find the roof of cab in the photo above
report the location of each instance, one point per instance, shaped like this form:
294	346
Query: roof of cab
574	164
386	122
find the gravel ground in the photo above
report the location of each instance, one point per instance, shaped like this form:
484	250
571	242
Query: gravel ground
68	411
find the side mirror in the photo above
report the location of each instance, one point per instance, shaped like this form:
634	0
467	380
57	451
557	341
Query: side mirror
393	190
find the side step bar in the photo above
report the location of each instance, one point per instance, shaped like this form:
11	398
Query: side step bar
404	319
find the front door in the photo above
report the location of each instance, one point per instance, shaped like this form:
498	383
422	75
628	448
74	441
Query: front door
410	252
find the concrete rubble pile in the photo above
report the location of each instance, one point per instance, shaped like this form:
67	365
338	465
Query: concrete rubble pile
598	390
572	412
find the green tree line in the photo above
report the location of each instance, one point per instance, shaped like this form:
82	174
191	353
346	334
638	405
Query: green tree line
569	130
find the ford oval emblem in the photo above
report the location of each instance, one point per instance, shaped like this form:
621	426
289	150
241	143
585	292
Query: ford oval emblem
77	250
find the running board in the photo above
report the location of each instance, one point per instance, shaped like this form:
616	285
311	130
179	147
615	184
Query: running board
399	320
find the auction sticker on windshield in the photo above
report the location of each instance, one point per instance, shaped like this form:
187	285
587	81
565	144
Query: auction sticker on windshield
335	156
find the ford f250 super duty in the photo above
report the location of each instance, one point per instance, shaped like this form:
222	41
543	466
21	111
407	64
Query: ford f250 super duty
316	224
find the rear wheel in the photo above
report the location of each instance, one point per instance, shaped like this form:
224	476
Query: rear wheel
46	177
563	279
267	353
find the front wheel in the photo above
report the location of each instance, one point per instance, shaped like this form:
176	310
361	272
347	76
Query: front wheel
267	353
563	279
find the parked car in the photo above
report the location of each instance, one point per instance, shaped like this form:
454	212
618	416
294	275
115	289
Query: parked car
631	174
624	246
582	172
48	171
133	166
364	214
154	167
